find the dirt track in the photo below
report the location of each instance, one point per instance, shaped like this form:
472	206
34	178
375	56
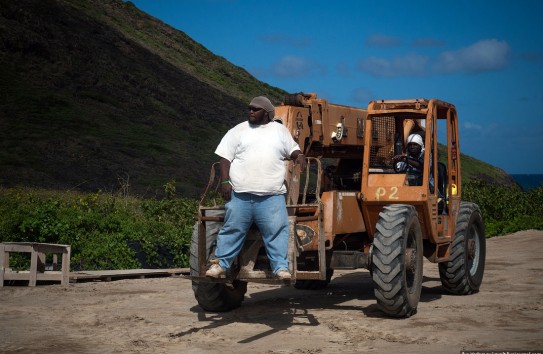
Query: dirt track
160	315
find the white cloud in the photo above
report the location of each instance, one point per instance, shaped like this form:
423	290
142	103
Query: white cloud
381	40
427	42
362	95
294	67
473	126
485	55
407	65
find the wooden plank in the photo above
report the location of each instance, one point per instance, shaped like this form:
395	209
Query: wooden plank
33	269
51	276
66	266
17	276
109	275
4	263
18	248
34	243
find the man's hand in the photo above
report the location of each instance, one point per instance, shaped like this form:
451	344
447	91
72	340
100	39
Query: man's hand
300	160
226	191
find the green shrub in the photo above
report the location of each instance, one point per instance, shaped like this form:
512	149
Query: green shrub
114	232
506	209
104	231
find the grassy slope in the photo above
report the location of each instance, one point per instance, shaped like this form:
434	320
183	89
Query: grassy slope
99	95
177	48
473	168
84	106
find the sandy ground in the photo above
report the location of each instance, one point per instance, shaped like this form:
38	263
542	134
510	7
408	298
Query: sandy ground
160	315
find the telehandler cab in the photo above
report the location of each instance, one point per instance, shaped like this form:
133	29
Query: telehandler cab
355	207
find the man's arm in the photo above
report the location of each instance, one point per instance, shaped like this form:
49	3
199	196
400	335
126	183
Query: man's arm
418	164
225	169
226	187
415	163
298	158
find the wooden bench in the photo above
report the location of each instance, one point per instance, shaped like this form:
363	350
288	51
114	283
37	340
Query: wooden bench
37	270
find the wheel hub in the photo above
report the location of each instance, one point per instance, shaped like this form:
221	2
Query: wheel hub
471	249
410	257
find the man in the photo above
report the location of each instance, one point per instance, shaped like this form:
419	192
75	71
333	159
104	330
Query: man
413	161
252	182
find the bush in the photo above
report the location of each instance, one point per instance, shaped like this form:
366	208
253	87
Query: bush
113	232
506	209
104	231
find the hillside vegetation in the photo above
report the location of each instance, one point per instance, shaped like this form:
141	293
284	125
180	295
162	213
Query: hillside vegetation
99	95
122	232
96	95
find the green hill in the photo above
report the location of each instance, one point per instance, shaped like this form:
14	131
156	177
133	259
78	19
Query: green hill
98	95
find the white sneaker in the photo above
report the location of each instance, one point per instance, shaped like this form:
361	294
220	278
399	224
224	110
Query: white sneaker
283	275
215	271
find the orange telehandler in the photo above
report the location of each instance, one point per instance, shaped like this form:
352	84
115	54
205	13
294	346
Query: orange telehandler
354	207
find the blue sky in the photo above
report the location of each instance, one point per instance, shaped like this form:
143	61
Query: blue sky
486	57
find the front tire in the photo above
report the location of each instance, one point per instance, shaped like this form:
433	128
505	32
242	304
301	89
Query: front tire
463	273
216	297
397	261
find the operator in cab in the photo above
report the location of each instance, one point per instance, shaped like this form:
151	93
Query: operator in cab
413	161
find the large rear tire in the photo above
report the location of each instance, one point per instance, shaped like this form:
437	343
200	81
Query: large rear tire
216	297
396	267
463	273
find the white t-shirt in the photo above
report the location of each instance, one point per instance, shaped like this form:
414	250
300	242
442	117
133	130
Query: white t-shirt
256	154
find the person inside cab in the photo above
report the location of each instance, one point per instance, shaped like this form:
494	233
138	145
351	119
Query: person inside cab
413	161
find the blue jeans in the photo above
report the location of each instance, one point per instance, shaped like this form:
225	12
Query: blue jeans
269	213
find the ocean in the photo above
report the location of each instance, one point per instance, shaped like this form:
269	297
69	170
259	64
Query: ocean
528	182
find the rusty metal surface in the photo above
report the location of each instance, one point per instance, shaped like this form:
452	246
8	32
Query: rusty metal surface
381	185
